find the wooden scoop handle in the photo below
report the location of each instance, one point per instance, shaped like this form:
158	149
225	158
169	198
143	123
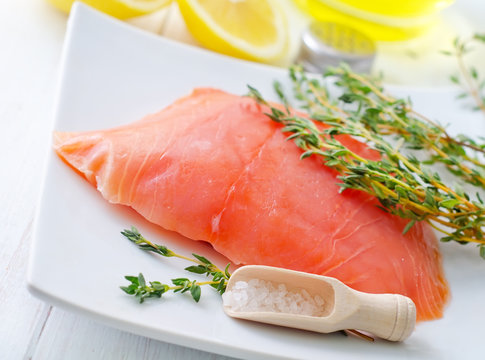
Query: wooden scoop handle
389	316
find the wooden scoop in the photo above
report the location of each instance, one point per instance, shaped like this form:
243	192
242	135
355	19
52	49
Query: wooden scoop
388	316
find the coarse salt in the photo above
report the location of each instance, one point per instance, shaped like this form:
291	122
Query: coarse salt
261	295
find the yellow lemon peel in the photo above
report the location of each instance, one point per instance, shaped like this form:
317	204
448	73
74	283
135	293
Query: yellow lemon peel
121	9
248	29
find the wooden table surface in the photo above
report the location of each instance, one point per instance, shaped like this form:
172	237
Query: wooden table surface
31	37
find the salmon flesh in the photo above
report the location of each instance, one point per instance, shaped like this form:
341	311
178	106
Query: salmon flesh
213	167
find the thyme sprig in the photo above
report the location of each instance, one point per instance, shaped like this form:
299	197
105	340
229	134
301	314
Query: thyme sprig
401	182
383	115
469	79
140	289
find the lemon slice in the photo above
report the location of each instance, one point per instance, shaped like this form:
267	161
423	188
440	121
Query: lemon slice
122	9
248	29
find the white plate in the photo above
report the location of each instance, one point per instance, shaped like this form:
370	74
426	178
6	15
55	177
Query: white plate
114	74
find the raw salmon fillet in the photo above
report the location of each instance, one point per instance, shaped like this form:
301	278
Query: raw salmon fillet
213	167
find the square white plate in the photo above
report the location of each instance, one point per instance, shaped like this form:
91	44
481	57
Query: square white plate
114	74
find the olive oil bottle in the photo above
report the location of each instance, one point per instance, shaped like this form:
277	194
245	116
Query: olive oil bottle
379	19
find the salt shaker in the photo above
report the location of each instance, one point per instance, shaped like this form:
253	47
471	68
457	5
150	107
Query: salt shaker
326	44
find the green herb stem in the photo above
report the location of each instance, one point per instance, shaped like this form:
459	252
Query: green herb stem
426	136
134	236
468	78
140	289
402	183
470	85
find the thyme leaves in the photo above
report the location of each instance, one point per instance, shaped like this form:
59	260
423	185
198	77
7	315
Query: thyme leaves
404	185
141	289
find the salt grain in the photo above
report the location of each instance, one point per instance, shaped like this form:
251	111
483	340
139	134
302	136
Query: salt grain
261	295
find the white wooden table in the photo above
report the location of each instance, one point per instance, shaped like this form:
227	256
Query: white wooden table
31	36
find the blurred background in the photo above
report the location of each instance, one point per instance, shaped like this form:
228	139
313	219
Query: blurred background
408	36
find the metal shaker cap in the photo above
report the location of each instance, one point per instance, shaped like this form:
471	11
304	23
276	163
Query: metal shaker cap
326	44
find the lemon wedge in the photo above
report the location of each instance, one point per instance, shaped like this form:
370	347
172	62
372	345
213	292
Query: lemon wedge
121	9
248	29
